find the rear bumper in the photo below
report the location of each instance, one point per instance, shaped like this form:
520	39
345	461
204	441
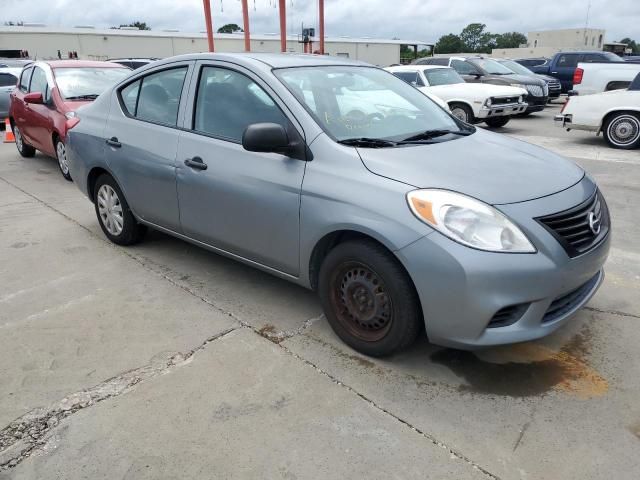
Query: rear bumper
462	289
566	121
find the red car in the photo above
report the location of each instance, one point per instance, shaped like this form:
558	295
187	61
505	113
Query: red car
44	103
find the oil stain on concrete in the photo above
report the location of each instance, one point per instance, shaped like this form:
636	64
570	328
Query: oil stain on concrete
527	369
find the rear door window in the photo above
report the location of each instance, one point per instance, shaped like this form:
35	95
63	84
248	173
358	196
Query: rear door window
156	97
568	60
7	80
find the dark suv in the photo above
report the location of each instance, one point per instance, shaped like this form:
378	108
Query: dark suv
487	70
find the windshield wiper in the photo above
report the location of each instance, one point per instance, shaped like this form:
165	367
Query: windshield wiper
367	142
91	96
429	134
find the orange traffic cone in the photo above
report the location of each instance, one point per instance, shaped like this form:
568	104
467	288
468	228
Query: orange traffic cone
8	132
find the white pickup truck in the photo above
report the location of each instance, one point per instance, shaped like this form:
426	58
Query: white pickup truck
590	78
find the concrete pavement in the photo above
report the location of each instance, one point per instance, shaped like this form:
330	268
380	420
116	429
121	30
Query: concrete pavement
153	361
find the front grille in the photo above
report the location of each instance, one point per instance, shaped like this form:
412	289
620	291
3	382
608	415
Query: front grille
554	86
535	90
564	304
507	316
545	90
577	228
503	100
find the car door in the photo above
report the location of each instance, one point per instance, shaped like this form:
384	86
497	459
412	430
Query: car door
18	106
565	68
141	139
469	72
39	124
241	202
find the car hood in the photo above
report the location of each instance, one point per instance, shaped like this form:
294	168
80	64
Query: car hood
479	90
488	166
526	79
546	78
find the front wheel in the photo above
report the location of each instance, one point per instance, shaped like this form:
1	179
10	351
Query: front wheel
497	122
23	149
115	216
61	155
622	130
368	298
462	112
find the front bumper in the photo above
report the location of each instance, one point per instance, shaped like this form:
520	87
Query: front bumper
502	110
536	104
462	289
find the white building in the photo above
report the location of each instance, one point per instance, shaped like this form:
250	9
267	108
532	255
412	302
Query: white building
548	42
43	42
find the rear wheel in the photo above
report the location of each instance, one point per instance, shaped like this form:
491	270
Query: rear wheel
622	130
115	217
497	122
368	298
462	112
23	149
61	155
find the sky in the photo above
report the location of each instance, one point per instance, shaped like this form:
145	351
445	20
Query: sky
424	20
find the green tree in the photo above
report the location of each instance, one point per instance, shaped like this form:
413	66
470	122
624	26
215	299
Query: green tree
450	43
137	24
635	47
510	40
230	28
474	37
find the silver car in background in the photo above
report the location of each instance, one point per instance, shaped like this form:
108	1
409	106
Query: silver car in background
8	80
342	178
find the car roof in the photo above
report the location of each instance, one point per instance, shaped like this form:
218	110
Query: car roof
80	64
274	60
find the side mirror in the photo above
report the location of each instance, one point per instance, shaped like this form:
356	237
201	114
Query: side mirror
34	97
265	137
273	138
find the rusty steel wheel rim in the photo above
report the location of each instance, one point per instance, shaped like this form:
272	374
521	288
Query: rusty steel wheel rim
361	302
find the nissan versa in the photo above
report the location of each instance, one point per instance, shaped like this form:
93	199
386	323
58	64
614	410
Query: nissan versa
342	178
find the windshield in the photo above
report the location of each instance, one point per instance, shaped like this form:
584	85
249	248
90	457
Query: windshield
442	76
515	67
492	67
75	82
364	102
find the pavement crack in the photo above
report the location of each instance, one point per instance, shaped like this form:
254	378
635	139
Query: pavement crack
612	312
454	453
27	433
524	429
268	331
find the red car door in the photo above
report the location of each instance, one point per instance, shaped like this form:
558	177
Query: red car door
39	123
18	109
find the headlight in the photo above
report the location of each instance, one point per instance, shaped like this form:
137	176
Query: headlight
520	99
488	102
70	115
468	221
519	85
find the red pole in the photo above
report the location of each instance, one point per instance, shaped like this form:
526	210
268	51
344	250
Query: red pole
207	19
245	19
321	21
283	26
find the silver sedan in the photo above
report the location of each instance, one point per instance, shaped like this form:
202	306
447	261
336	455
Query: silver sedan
340	177
8	80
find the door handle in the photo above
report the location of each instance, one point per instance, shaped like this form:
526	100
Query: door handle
113	142
195	162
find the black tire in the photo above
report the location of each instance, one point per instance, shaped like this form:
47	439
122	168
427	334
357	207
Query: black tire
61	156
462	112
131	231
622	130
23	148
497	122
369	299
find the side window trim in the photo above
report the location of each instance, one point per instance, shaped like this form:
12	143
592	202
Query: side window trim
190	111
27	71
140	78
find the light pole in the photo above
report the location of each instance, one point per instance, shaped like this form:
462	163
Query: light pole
207	19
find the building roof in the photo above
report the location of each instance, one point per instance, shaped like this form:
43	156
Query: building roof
176	34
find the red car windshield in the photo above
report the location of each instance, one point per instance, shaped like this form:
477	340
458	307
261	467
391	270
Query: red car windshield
86	83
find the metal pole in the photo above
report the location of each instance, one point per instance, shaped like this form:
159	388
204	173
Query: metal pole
321	21
245	19
283	25
209	24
